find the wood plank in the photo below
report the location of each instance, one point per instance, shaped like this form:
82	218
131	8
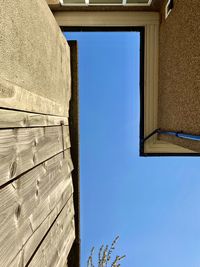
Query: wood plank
66	247
23	148
17	262
13	119
62	232
16	97
40	232
27	202
63	245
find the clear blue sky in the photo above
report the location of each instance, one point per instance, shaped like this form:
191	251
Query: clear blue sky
152	203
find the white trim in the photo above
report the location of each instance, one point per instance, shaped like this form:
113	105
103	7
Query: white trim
166	9
124	3
151	21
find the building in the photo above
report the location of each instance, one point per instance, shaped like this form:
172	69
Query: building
39	191
169	64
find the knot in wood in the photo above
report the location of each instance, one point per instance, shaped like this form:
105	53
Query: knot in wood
36	193
18	211
25	121
13	169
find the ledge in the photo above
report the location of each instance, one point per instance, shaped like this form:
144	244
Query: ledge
74	256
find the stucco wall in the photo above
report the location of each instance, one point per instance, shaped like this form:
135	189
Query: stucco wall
53	2
179	77
34	54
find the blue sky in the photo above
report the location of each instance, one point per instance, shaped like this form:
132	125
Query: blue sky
152	203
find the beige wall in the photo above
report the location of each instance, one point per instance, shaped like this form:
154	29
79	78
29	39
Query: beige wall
34	54
179	77
53	2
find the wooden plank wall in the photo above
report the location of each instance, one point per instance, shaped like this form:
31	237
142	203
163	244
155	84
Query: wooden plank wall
36	190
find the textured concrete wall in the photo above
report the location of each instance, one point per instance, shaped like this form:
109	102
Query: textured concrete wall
179	77
34	53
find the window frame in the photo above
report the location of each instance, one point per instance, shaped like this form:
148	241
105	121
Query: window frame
123	3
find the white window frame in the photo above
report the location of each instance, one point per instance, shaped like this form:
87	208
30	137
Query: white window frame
167	12
87	2
150	21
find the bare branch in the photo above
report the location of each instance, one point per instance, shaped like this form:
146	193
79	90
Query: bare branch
104	256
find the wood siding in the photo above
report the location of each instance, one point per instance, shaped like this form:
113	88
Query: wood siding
36	191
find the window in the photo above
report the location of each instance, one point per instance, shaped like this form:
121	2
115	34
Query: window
106	2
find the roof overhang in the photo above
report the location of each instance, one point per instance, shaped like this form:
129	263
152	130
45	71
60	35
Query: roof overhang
74	256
